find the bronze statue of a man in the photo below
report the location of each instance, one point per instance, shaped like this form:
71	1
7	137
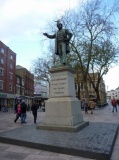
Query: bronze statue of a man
62	38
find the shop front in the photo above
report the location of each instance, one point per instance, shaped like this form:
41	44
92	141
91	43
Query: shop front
6	101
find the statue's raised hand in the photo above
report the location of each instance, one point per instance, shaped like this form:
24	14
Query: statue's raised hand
45	34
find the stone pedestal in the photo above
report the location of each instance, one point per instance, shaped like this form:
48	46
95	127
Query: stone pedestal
63	109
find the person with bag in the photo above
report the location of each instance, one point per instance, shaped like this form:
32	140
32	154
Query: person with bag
114	104
18	111
34	109
91	105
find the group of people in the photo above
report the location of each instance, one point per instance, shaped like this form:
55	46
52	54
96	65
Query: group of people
114	102
91	105
21	108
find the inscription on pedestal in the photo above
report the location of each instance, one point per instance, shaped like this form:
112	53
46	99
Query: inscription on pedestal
58	86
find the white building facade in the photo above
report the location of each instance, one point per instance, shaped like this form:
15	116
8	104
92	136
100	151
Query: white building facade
40	91
113	94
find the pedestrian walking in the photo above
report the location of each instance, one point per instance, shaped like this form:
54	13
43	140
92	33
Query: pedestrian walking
18	112
23	111
15	107
85	106
91	105
114	104
34	109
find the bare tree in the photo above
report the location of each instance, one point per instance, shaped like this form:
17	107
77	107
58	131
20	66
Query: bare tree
40	68
105	57
42	65
93	31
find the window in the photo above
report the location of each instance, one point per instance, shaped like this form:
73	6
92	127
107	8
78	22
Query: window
22	82
10	87
44	94
2	60
11	75
1	84
81	85
18	90
11	66
2	50
11	56
26	91
22	91
18	80
90	85
1	72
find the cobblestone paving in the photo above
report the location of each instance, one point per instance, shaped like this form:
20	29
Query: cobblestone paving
9	152
96	138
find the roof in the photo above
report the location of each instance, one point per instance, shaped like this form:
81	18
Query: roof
19	67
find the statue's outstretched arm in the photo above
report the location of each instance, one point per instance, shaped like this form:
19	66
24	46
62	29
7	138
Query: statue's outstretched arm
49	36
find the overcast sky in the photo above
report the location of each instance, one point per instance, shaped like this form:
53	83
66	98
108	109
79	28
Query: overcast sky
22	21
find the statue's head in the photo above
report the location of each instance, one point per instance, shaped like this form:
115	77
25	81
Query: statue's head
59	24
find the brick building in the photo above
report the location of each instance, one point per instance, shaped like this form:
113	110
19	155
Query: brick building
25	86
7	75
20	87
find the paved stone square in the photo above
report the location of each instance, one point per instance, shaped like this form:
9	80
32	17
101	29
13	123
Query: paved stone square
6	123
94	141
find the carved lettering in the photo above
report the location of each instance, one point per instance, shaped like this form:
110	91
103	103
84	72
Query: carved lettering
58	92
58	85
59	79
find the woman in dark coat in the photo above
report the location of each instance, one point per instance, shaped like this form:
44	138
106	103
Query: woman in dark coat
34	109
